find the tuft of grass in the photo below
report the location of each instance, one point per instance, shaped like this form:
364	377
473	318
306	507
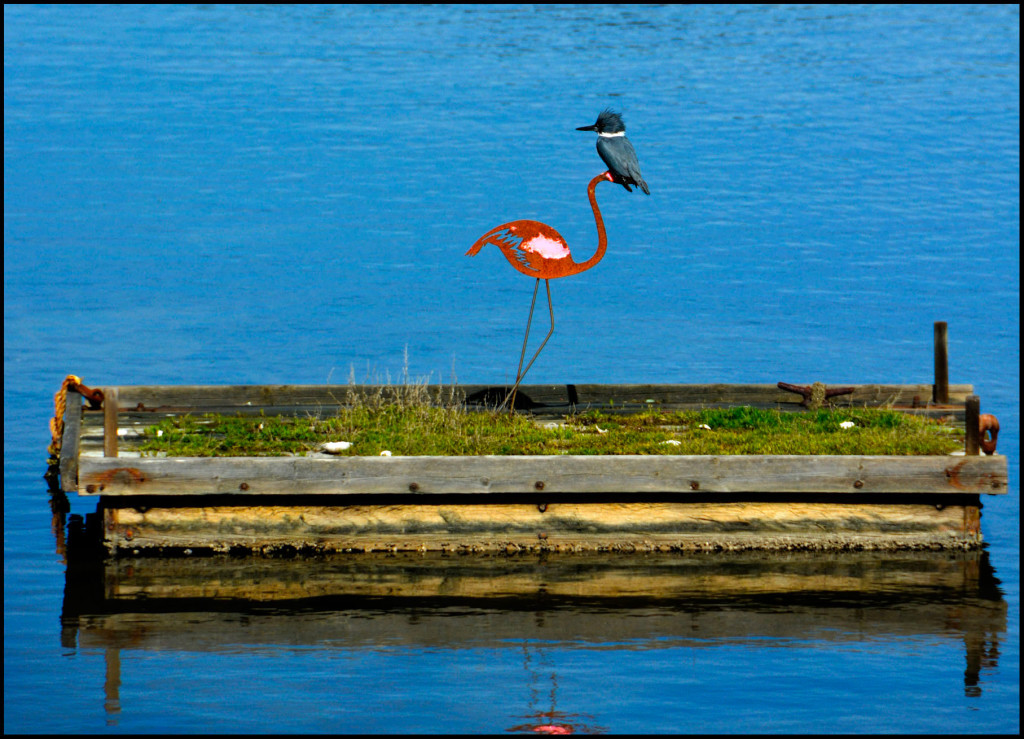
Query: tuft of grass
410	425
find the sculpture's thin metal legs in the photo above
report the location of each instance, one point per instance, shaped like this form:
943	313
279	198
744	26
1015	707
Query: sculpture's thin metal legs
510	399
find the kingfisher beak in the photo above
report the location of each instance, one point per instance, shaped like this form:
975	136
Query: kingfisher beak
587	128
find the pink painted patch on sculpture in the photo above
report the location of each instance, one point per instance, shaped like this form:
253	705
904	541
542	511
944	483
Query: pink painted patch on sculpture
547	248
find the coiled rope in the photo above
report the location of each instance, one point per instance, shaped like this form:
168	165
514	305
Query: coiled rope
60	399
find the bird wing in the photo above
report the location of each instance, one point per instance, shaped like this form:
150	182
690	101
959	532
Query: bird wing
532	247
633	166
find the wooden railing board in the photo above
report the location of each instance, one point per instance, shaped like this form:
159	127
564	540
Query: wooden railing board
628	475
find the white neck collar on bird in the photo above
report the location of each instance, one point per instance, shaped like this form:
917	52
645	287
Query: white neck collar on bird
612	135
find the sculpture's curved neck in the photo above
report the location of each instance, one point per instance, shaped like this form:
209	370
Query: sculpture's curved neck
602	240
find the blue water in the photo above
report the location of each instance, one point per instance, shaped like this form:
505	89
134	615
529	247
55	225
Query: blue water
285	194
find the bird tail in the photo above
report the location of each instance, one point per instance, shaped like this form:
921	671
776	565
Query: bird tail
491	237
643	186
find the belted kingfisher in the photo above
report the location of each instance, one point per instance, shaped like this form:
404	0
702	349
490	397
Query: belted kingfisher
616	151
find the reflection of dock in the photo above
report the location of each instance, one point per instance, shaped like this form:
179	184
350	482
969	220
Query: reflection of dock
607	601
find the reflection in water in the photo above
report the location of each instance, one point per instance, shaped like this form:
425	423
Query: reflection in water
536	603
543	716
60	507
112	683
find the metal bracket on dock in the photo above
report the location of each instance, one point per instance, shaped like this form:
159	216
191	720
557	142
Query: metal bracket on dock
95	396
71	383
815	395
981	430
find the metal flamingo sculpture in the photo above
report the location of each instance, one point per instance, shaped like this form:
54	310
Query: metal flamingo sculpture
537	250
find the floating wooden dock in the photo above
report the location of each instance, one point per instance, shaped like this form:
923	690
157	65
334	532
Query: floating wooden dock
520	503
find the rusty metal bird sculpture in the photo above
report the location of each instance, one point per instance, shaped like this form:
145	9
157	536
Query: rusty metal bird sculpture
539	251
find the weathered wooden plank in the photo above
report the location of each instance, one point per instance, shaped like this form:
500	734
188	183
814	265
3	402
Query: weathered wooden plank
69	445
740	394
568	474
941	393
559	527
972	426
110	413
208	397
156	397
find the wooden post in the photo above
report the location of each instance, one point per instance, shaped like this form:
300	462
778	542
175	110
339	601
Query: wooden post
941	392
69	446
110	422
972	425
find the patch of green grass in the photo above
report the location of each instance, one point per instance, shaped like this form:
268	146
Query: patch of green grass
415	430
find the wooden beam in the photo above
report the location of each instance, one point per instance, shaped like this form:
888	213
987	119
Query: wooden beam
941	392
110	408
70	441
561	527
972	426
583	475
303	398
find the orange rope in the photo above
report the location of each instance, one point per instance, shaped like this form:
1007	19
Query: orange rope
57	422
